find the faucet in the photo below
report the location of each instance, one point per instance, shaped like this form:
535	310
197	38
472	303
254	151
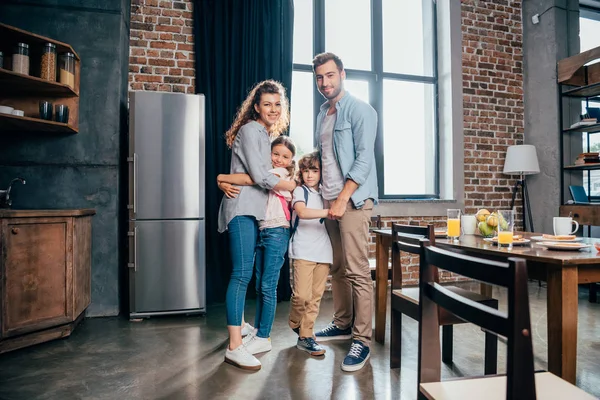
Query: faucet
5	200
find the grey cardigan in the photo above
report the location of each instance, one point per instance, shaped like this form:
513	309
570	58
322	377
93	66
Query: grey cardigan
250	154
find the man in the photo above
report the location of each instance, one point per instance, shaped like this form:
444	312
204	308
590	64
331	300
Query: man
345	136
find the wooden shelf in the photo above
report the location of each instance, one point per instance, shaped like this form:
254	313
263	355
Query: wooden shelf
587	128
24	92
592	90
15	123
583	167
10	34
19	84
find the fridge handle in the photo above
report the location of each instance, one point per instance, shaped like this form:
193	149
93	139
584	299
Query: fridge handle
135	181
134	263
135	257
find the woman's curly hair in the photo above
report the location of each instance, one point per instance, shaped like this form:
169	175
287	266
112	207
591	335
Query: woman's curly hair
247	112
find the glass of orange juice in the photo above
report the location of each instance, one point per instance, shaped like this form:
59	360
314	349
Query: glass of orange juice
453	224
506	224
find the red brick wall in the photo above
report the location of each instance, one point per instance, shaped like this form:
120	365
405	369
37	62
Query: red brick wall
161	53
492	62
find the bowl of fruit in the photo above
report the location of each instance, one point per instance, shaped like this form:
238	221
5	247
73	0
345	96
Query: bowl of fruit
488	222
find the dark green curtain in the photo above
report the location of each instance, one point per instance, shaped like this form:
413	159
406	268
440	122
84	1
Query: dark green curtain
238	43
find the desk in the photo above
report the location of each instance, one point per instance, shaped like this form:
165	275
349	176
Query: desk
563	270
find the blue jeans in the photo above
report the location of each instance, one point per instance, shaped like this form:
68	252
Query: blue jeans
270	254
243	233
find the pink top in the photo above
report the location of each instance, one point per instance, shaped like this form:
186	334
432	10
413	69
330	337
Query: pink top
278	205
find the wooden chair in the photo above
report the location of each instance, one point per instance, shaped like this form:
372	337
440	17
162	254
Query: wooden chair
406	300
520	381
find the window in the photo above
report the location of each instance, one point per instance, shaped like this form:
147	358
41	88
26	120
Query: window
589	26
388	50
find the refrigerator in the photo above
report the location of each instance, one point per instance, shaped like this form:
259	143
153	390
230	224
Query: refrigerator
167	257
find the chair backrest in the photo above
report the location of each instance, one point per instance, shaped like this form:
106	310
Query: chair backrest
407	238
514	325
578	193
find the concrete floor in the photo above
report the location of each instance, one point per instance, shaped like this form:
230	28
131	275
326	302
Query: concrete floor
182	358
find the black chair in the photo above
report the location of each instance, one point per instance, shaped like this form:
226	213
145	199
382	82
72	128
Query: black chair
520	381
406	300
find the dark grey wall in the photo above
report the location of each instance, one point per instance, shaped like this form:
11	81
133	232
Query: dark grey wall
555	37
83	170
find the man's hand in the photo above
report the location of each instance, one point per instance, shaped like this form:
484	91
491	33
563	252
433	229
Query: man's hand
337	208
230	190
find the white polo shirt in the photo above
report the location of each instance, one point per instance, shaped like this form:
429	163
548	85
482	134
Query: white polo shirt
310	241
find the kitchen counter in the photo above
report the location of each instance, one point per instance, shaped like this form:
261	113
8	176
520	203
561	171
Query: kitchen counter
45	268
13	213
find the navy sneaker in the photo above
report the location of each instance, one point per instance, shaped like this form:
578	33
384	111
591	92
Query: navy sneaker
357	357
310	346
332	332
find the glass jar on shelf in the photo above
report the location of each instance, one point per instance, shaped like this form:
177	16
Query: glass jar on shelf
48	64
67	69
20	59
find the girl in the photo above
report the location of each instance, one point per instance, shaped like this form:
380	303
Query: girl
311	254
272	244
264	114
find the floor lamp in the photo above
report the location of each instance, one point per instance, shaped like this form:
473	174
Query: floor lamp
522	160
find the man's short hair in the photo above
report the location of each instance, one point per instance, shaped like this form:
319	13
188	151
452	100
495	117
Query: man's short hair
322	58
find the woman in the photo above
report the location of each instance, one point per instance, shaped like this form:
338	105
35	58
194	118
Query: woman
264	114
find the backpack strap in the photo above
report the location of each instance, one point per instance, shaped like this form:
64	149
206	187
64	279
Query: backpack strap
297	220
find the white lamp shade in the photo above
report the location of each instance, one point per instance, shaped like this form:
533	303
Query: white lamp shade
521	160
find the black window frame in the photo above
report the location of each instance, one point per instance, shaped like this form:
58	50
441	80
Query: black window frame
375	78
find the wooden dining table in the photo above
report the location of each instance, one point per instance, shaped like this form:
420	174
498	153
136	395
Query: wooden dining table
562	270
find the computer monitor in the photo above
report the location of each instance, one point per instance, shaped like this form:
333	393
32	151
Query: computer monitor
579	195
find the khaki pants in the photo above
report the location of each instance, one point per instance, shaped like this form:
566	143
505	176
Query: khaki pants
308	285
350	273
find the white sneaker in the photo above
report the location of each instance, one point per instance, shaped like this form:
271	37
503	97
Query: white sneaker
241	358
255	344
247	329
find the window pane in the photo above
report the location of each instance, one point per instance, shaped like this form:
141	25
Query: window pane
303	31
358	88
348	32
408	129
302	112
588	31
408	42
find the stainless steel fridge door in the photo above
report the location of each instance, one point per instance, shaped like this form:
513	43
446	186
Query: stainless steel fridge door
166	156
169	267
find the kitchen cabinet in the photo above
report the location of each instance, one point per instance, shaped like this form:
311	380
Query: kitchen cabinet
45	274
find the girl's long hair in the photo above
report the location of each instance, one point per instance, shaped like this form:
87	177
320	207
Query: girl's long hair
247	112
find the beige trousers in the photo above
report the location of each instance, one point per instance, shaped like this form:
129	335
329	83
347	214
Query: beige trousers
308	285
350	273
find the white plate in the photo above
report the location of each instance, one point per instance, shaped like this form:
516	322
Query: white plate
543	239
516	242
564	246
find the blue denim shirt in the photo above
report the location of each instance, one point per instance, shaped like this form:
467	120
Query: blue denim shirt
354	145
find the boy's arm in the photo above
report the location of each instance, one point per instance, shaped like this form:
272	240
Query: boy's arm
309	213
235	179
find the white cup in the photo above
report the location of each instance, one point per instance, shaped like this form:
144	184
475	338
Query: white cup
563	225
468	224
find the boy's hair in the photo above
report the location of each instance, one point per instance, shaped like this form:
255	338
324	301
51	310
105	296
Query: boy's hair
289	143
308	161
